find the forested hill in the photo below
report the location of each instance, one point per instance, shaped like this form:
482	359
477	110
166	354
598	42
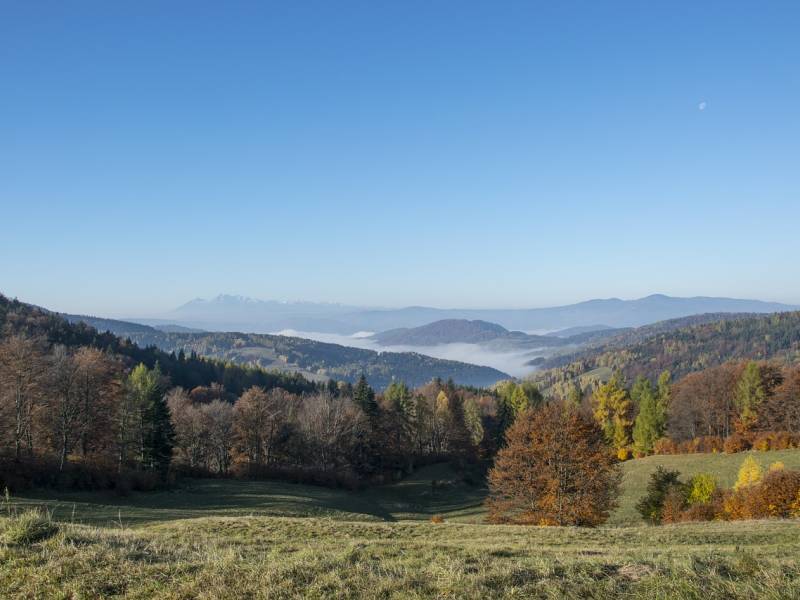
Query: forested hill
313	359
710	341
18	318
460	331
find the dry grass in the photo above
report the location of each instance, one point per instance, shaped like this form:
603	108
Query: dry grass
278	557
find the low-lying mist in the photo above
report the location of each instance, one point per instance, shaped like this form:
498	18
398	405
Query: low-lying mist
513	363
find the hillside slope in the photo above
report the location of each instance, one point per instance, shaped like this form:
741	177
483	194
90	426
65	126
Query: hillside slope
313	359
706	341
462	331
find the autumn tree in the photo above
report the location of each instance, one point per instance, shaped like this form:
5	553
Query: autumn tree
781	411
217	420
612	411
64	404
21	373
555	469
97	391
191	437
750	393
257	419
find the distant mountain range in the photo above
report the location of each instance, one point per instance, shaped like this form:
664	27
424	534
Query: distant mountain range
237	313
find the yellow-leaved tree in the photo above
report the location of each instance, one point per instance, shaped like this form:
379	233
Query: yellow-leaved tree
750	473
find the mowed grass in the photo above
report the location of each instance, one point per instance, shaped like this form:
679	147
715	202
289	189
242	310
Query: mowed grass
230	539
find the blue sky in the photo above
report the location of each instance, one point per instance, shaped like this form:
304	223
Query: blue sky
440	153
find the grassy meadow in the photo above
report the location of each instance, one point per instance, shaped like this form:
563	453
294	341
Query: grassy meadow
225	539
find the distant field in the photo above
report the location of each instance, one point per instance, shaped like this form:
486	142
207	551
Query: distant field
415	498
223	539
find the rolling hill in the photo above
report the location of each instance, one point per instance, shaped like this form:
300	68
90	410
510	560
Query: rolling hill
461	331
680	346
315	360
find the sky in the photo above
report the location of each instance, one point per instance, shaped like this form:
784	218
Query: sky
451	154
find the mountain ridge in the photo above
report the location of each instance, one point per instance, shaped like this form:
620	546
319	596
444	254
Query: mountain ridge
258	316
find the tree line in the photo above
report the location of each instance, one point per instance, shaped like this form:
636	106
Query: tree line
731	407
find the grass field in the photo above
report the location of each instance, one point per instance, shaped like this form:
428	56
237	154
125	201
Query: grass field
218	539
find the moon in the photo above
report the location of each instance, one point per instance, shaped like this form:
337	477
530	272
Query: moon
702	105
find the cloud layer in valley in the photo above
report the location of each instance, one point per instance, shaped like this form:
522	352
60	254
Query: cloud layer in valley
513	363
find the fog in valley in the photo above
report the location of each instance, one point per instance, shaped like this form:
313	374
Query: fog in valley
513	363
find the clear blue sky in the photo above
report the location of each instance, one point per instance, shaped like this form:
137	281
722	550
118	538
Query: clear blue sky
390	153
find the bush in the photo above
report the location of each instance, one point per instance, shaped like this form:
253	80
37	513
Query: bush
736	443
29	527
662	481
437	519
672	508
763	442
664	445
700	512
701	488
776	495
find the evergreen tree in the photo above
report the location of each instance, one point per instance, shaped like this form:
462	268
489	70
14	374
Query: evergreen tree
651	420
575	396
750	393
156	435
364	397
663	389
641	387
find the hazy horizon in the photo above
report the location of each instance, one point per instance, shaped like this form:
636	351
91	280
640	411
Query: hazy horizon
163	313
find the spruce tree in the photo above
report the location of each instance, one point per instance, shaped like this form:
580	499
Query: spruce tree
155	432
650	422
364	397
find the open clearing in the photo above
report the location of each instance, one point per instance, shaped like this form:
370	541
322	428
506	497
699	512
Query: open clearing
219	539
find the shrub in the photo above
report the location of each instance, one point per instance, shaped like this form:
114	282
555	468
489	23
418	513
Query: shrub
437	519
705	511
736	443
651	506
701	488
672	508
623	454
762	442
777	466
29	527
750	473
664	445
776	494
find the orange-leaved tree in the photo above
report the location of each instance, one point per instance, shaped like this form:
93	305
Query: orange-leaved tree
555	469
